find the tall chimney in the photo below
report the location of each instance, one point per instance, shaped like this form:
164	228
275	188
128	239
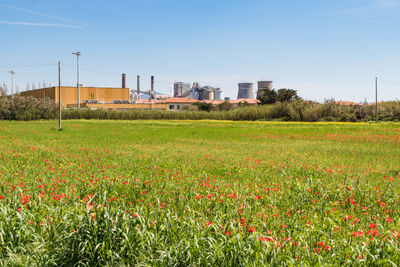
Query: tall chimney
123	80
152	88
138	87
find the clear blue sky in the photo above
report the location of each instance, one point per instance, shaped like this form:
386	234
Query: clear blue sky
322	48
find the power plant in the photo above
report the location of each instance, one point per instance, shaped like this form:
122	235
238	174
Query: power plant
122	98
264	85
245	91
138	87
152	94
197	92
181	89
123	80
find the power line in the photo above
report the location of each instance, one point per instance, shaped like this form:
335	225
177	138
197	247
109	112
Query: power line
28	66
397	83
93	70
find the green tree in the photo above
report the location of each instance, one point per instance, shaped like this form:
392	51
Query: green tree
267	96
287	95
2	91
204	106
243	104
226	105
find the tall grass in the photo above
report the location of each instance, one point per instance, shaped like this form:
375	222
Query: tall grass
295	111
26	108
204	193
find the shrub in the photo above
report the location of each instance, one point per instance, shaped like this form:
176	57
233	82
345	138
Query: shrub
294	111
204	106
26	108
225	106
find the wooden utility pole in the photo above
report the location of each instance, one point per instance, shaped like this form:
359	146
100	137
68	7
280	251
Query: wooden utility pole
59	95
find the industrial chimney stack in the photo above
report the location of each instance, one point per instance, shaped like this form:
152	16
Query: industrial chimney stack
152	94
123	80
138	87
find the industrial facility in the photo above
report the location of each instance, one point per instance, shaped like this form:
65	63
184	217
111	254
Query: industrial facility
146	94
124	99
182	89
245	91
70	99
264	85
197	92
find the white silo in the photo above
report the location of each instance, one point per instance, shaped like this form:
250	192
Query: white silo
218	94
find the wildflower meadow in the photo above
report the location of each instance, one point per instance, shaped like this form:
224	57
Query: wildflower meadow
199	193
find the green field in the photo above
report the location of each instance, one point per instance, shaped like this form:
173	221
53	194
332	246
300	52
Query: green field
199	193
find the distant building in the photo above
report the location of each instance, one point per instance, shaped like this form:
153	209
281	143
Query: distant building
69	95
347	103
205	92
171	104
248	101
176	103
218	94
181	89
246	91
264	85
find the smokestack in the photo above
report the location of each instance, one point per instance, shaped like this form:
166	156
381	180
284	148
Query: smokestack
138	87
123	80
152	87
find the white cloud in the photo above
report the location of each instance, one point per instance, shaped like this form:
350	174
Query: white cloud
40	24
44	15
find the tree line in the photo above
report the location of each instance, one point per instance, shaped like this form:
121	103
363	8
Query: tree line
271	96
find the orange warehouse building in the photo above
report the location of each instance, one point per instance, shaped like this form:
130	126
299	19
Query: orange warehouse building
69	95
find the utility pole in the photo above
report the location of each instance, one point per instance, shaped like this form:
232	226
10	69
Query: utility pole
376	99
77	54
138	87
59	95
12	82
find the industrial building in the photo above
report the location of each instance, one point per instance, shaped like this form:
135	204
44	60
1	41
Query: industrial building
264	85
205	92
69	95
246	91
146	94
123	99
181	89
176	103
198	92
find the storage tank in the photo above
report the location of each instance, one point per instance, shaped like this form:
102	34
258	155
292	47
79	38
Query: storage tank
245	90
218	94
208	95
181	89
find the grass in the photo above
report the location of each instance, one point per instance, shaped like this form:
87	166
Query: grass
199	193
